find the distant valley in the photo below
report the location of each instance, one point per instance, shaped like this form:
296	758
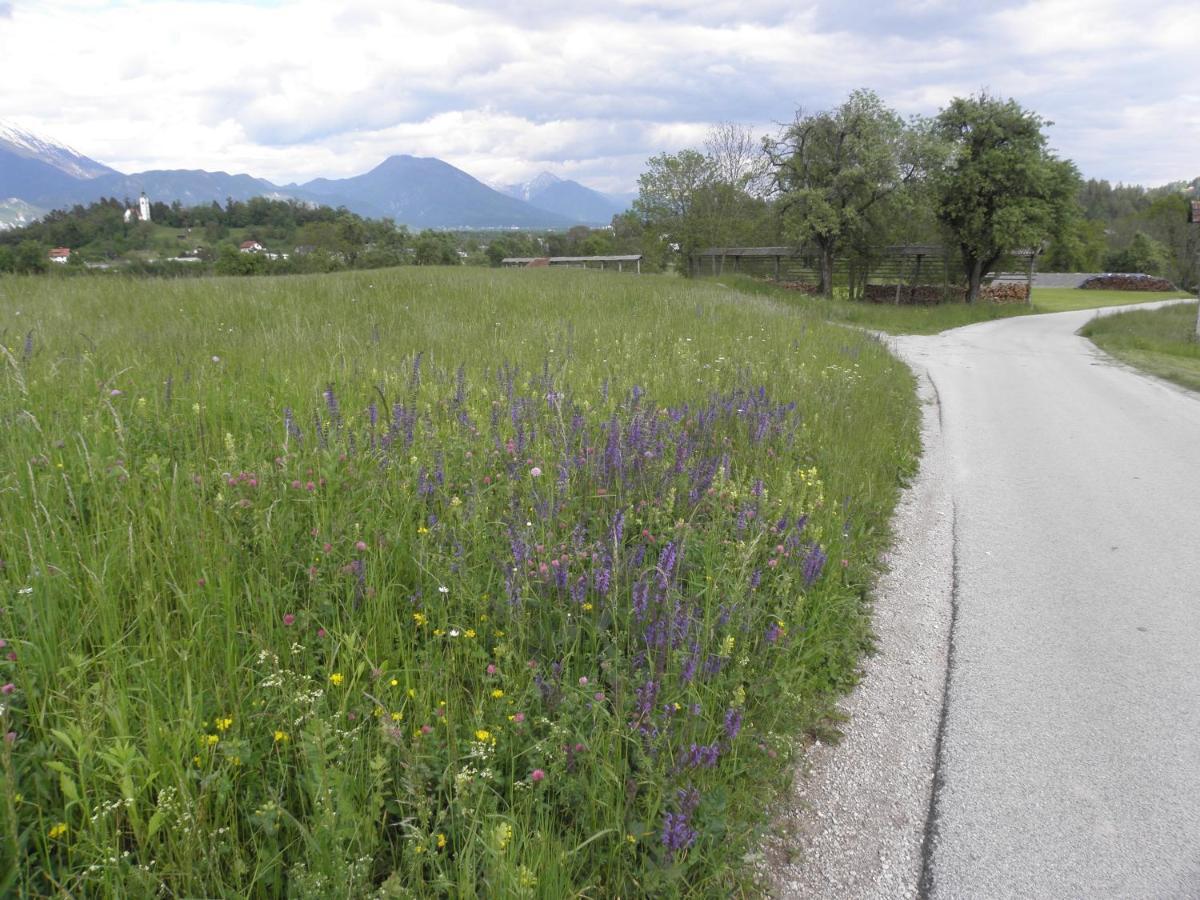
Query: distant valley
38	175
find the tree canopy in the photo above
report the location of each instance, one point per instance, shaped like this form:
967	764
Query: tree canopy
1002	189
835	173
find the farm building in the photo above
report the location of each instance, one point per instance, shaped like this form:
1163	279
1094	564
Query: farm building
633	262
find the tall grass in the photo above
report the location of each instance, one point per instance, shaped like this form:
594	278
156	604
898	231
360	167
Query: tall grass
1161	341
893	319
419	582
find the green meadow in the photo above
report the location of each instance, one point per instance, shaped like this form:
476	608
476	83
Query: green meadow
933	319
1160	341
424	582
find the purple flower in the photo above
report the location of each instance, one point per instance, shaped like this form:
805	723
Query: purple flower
813	564
733	723
678	833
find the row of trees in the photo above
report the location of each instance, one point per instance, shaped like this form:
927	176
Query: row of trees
979	177
303	239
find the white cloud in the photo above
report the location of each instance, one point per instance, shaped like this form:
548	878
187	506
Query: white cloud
294	90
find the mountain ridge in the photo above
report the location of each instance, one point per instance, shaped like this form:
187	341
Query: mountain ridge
567	198
420	192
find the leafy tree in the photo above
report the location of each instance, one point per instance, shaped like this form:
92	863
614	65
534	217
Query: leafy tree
30	257
690	200
1080	247
1144	254
436	248
1166	219
1003	189
831	170
667	195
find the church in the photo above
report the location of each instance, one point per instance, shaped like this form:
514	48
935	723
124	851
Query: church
142	213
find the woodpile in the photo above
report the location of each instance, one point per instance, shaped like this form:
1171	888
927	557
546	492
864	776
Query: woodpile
1126	282
801	287
1005	292
933	294
913	295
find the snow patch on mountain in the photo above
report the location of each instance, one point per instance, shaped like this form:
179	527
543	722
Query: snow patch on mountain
24	143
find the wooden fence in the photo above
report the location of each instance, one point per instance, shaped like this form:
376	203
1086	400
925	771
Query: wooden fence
903	273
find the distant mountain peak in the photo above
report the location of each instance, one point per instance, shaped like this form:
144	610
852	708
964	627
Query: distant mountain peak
53	153
567	198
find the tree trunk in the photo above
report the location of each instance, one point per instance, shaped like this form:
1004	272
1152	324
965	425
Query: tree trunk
974	279
827	272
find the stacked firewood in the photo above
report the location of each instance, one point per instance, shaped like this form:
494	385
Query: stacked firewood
802	287
912	295
1126	282
1005	292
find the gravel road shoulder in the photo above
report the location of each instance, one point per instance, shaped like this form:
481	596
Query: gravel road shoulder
854	824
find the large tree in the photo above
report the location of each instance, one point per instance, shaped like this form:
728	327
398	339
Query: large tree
691	200
832	171
1003	189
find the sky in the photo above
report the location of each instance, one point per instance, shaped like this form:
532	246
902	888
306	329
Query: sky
291	90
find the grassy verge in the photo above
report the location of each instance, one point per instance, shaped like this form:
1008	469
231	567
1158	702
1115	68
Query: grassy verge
878	316
934	319
1161	341
421	582
1047	300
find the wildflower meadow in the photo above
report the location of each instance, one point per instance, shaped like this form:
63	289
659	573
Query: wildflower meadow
424	582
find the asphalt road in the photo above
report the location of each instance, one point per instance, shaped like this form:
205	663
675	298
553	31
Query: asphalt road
1068	763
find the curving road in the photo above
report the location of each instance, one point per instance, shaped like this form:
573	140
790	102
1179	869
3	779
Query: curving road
1030	724
1068	756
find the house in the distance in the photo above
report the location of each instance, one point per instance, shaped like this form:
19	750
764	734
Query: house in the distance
251	247
60	255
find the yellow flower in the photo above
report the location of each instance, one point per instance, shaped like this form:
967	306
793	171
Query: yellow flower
223	724
483	735
422	530
441	840
454	501
281	737
336	679
437	632
59	830
196	760
395	682
587	607
420	618
397	716
497	694
419	849
211	739
412	692
377	711
504	834
470	632
631	839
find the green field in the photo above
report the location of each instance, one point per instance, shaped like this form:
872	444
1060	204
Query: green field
1067	299
423	582
933	319
1162	342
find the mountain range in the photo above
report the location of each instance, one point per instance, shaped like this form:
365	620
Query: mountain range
38	174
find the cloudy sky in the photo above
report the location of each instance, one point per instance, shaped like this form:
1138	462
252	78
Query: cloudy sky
294	89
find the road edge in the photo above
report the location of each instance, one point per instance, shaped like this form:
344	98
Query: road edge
855	824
